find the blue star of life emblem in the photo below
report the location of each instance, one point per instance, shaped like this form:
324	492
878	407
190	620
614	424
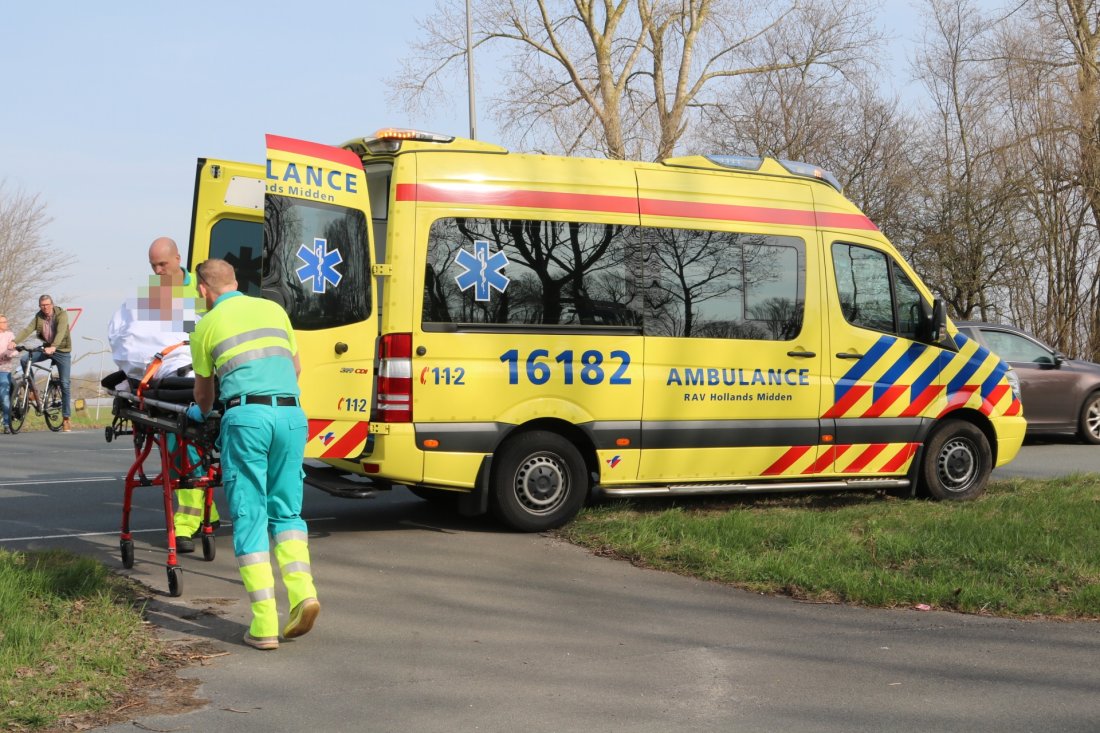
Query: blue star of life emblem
483	272
320	265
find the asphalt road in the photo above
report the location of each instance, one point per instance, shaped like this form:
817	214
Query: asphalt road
434	623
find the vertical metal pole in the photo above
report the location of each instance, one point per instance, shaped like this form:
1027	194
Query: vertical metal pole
470	70
99	387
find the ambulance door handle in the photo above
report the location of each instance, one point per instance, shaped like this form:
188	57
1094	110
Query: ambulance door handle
802	354
848	355
340	348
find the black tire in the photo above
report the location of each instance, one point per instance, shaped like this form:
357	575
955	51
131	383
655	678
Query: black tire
957	462
209	548
18	407
175	581
109	433
539	481
127	547
52	407
1089	423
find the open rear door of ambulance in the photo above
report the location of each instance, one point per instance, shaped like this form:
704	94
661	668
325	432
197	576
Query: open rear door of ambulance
227	219
317	258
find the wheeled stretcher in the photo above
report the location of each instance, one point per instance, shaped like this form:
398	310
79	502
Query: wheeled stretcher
154	413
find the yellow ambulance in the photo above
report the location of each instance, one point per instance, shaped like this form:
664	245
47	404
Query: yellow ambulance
520	333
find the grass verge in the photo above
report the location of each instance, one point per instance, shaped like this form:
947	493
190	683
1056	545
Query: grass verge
73	642
1024	549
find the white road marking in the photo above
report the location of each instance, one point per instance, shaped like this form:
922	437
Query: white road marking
115	532
61	481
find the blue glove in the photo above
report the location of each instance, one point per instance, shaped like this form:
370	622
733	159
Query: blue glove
194	412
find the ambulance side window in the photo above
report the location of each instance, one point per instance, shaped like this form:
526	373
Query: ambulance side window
530	273
707	284
874	292
909	305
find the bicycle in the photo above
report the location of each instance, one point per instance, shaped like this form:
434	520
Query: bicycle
26	395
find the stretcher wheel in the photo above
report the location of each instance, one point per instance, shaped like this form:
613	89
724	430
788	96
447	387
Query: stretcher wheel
127	547
108	433
208	547
175	581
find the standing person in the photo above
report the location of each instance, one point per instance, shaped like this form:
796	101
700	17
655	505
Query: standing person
164	259
247	344
51	324
7	363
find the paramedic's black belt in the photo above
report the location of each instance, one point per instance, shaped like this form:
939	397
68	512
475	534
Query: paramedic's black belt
263	399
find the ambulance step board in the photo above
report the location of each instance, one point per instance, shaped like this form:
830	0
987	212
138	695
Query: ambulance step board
762	487
339	483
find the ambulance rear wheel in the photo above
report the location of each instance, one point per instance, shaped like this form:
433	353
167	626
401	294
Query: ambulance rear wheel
175	581
127	547
539	481
957	462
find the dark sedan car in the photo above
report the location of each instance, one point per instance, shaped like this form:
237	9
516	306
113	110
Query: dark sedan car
1059	395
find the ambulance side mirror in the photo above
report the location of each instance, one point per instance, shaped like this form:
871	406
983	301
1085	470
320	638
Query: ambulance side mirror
935	321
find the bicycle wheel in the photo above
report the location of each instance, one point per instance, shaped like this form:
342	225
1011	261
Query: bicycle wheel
53	406
18	406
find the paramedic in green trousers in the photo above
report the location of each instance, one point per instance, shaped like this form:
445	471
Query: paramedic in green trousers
164	259
247	344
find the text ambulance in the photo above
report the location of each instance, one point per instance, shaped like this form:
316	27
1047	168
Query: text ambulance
521	332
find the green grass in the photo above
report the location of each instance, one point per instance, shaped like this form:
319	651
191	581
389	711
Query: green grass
72	633
1024	549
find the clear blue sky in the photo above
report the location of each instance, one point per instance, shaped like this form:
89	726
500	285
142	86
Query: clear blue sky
107	106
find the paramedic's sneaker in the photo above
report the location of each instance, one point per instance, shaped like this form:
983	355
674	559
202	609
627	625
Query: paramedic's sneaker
184	544
263	643
66	426
301	618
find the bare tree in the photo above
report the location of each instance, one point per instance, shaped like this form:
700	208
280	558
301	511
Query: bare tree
23	250
625	78
962	236
844	125
1076	49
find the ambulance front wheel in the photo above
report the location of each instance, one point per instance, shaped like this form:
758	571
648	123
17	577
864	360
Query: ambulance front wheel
539	481
957	461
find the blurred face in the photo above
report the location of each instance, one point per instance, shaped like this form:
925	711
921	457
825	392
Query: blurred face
3	323
47	307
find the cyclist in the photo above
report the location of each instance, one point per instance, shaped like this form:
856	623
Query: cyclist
7	363
52	326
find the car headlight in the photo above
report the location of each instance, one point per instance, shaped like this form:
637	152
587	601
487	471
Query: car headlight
1013	382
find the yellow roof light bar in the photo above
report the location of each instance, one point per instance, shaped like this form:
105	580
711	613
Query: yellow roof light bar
809	170
389	139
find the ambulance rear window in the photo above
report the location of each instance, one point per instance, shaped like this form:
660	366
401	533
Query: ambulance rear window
316	262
